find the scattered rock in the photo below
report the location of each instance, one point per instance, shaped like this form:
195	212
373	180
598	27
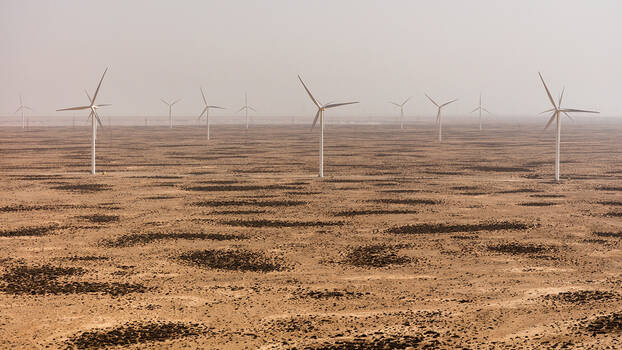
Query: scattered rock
236	260
83	188
29	231
447	228
278	223
144	238
583	296
134	333
378	255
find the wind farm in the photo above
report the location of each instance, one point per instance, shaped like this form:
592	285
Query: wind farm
336	177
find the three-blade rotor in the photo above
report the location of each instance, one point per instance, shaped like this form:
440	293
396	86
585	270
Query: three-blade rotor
92	106
246	106
438	113
557	108
320	107
170	104
401	105
21	105
207	105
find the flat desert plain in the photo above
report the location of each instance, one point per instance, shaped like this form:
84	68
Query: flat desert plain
236	243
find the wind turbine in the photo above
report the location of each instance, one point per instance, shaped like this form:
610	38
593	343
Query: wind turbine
94	117
320	115
438	116
170	110
480	109
22	108
206	111
557	110
245	108
401	107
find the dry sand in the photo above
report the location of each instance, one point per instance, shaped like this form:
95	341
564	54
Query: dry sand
236	243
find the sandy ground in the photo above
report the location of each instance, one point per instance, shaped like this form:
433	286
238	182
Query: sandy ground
235	242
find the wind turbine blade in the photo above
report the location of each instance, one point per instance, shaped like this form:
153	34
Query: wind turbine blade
74	108
431	100
88	96
408	99
547	91
317	115
548	110
475	110
485	110
166	103
568	115
252	109
18	109
339	104
203	94
20	100
204	110
550	120
578	110
446	103
561	97
98	120
104	105
309	93
216	107
28	108
176	101
241	109
99	85
396	104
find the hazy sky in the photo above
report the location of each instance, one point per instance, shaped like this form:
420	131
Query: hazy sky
370	51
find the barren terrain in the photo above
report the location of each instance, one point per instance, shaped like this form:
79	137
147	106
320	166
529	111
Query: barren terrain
236	243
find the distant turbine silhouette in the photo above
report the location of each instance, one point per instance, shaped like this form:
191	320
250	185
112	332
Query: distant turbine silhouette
320	115
94	118
22	108
170	110
480	109
557	110
439	122
206	111
401	107
245	108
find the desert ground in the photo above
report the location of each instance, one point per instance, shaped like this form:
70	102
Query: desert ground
236	243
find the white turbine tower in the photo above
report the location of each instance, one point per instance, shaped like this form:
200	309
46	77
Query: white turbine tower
206	111
320	115
170	110
557	110
22	108
439	122
401	107
480	109
94	118
245	108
